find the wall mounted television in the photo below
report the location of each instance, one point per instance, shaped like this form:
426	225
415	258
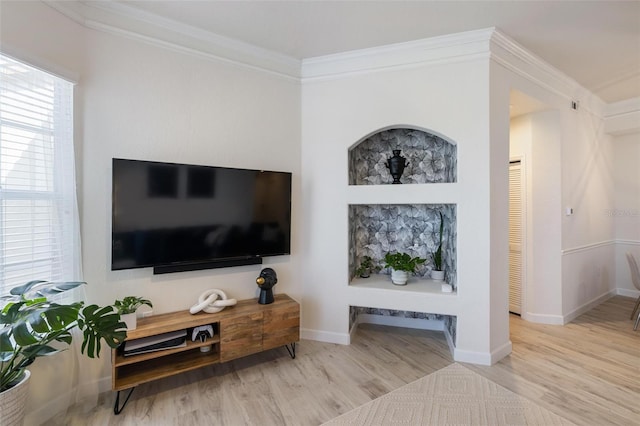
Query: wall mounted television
180	217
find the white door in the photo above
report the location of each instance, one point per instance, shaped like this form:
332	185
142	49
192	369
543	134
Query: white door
515	237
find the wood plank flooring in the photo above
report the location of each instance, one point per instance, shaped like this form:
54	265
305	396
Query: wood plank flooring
587	371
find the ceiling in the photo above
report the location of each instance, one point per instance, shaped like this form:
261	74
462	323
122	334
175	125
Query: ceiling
597	43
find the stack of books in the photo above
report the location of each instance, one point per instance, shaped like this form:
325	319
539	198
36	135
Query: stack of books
174	339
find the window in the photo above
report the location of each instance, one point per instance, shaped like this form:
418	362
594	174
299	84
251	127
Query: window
39	232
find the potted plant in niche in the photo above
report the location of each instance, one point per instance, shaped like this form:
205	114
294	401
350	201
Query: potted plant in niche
30	324
127	308
401	265
437	273
367	267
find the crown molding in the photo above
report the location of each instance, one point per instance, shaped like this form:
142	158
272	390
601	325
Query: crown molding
622	117
511	55
123	20
528	65
623	107
484	44
458	47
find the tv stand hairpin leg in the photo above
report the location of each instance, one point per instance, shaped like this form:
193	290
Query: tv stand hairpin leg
292	351
117	409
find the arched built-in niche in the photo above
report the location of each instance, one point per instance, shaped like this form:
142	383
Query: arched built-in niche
378	226
431	158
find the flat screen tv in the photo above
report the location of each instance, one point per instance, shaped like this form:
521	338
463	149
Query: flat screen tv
178	217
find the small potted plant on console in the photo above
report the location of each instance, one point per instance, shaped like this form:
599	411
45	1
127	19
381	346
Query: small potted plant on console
401	265
127	308
367	267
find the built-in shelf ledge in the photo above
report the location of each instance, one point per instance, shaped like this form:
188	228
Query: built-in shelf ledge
417	285
426	193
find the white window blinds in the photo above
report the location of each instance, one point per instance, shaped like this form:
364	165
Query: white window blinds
39	233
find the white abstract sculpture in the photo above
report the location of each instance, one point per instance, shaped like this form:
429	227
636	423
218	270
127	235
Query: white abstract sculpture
212	301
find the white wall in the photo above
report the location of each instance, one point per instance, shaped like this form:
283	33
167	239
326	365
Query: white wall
143	102
138	101
626	211
544	242
588	243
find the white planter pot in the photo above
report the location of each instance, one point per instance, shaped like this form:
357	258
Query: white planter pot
14	401
131	320
437	275
399	277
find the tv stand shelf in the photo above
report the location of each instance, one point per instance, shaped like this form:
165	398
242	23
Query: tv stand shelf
239	330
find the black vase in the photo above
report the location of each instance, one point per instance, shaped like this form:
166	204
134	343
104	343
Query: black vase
396	165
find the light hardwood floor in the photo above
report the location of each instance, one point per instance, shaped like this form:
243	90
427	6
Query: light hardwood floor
587	371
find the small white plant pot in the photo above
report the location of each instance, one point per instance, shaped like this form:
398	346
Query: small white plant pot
130	319
399	277
437	275
446	288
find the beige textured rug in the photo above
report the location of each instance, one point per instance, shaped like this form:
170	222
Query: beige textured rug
453	395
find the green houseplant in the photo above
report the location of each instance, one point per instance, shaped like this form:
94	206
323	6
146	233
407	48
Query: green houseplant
30	324
438	272
402	265
367	267
127	308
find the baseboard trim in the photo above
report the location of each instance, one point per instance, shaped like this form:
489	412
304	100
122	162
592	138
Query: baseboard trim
628	292
543	318
482	358
588	306
325	336
501	352
472	357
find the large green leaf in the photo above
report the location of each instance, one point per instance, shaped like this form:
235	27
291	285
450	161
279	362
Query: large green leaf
61	316
43	288
23	335
24	288
97	324
11	313
64	337
6	344
53	288
39	350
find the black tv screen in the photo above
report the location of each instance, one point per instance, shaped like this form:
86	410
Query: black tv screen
168	214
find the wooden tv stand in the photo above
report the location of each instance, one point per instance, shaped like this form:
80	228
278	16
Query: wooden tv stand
240	330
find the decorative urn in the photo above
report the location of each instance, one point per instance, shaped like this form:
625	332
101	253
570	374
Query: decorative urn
396	165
